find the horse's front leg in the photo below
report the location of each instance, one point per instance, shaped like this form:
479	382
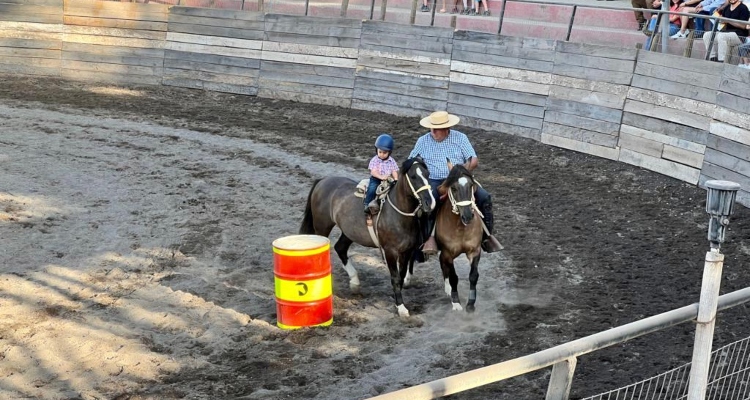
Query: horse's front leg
450	279
409	268
342	249
397	280
473	278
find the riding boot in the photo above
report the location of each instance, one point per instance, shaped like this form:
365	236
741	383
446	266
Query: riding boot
429	247
374	207
489	243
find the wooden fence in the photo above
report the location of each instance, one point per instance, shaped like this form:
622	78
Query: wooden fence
684	118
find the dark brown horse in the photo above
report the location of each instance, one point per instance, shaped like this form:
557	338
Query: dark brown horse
332	202
459	231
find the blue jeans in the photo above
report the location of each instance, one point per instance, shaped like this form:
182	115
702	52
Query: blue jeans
372	188
652	26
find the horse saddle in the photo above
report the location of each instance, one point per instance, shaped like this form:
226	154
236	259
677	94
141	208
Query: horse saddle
382	190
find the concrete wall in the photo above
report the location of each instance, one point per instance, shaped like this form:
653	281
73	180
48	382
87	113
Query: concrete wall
684	118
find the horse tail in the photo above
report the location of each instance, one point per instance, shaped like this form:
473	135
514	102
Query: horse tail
307	227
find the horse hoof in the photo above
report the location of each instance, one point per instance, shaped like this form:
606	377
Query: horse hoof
470	308
402	311
457	307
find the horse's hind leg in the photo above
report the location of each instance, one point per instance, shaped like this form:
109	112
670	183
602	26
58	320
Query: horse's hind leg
451	280
342	249
397	267
410	269
473	278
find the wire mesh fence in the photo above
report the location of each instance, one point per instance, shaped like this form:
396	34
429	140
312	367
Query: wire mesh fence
728	379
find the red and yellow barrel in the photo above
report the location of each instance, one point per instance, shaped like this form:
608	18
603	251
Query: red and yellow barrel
302	275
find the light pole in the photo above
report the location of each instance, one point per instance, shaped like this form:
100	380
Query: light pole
719	203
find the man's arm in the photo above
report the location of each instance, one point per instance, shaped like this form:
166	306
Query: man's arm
472	163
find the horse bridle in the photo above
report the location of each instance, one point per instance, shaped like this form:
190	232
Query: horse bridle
455	204
414	192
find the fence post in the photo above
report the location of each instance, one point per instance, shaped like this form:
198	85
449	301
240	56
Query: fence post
344	6
719	201
383	6
570	24
413	14
502	15
561	379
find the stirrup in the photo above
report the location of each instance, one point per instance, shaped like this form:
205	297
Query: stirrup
491	245
430	250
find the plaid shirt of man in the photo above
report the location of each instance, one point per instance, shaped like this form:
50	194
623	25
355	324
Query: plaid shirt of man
455	147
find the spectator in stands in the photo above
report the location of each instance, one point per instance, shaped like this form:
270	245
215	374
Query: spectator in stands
464	10
729	33
674	23
478	6
639	14
655	5
705	7
425	6
744	51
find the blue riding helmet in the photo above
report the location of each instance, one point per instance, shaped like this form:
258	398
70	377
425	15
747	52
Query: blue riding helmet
384	142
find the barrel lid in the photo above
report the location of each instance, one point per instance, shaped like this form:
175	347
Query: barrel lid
300	242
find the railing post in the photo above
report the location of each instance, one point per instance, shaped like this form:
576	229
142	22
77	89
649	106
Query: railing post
383	6
561	379
260	6
413	14
434	8
719	203
570	24
372	8
665	27
502	14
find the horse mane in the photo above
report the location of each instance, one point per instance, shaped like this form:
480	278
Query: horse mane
406	165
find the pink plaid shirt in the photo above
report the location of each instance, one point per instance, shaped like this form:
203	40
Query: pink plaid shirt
383	167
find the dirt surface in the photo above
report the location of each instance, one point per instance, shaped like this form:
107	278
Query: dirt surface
136	260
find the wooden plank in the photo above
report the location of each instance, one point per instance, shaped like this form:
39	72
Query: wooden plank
585	84
739	150
10	10
728	161
622	78
671	101
205	76
493	126
674	130
48	63
678	64
500	72
497	116
731	76
295	48
668	74
301	69
113	50
114	41
580	135
112	59
31	43
399	88
412	67
73	20
402	100
212	86
667	140
407	45
711	171
221	31
252	25
116	14
413	57
732	117
587	148
57	3
415	31
171	56
610	100
402	77
301	20
683	156
120	7
213	50
590	124
608	64
732	102
212	68
641	145
584	110
687	90
366	105
32	35
20	69
601	51
321	40
733	133
307	29
273	93
499	94
309	60
497	105
664	167
30	26
36	18
668	114
499	83
508	61
269	76
423	52
111	68
215	14
214	41
109	77
28	53
114	32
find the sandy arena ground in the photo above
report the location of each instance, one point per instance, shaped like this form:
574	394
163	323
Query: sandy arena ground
136	261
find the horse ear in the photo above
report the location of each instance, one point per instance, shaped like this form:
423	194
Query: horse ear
450	164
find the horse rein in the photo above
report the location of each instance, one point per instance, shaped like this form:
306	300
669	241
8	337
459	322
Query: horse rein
455	204
413	192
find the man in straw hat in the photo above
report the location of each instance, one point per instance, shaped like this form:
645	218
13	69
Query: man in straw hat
434	147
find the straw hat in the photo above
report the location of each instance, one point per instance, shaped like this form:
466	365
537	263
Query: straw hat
439	120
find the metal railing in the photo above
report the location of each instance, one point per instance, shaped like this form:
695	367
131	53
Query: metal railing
562	358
